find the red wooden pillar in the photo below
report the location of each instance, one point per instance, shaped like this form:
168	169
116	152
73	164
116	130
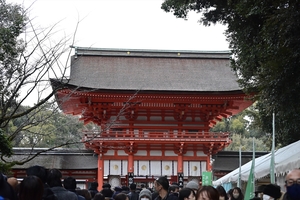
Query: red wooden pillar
180	159
100	171
208	163
180	175
179	163
130	163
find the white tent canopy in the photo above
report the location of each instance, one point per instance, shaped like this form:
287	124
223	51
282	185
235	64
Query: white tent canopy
286	159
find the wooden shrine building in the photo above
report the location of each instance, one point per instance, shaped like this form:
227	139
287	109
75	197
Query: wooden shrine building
153	109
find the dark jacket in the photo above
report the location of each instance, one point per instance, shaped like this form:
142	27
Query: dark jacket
63	194
168	197
6	189
286	197
133	195
48	193
107	192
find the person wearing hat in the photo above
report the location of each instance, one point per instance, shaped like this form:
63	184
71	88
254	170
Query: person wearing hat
271	192
145	194
193	185
174	189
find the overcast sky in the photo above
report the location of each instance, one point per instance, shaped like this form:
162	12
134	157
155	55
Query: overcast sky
132	24
124	24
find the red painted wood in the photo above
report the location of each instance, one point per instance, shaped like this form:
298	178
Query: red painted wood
149	121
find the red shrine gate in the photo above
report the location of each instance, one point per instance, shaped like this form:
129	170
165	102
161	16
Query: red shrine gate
154	109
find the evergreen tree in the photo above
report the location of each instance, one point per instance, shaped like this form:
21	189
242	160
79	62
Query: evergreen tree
264	38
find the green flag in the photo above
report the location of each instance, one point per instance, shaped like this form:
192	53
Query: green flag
272	164
206	178
250	189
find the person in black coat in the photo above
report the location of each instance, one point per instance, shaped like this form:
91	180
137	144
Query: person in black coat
42	173
161	185
93	189
6	190
106	190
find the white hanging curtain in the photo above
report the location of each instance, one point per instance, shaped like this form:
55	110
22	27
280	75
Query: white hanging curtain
136	170
115	167
167	168
155	168
124	167
195	168
203	166
143	168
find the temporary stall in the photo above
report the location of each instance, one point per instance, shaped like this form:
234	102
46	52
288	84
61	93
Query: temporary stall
286	159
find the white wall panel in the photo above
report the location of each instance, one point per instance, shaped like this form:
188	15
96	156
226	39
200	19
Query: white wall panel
203	166
122	153
110	153
189	153
155	153
170	153
167	168
124	167
155	168
141	153
200	153
115	167
144	168
106	167
136	169
185	168
195	168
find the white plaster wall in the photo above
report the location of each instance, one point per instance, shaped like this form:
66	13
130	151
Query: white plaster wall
170	153
141	153
189	153
122	153
155	153
200	153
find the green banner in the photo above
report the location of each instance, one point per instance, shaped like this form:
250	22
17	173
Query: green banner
206	178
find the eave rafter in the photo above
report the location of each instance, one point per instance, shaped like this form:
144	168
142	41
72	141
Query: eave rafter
155	97
211	108
209	146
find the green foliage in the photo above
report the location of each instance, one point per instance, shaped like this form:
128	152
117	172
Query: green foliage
12	24
246	144
5	147
243	127
50	128
5	150
264	38
27	59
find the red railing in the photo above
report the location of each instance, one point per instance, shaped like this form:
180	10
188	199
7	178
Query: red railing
130	135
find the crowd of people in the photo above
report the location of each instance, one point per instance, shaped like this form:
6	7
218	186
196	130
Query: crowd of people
43	184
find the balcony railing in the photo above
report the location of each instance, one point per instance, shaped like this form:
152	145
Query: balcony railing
130	135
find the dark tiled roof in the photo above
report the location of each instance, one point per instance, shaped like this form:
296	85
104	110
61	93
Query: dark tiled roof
59	158
228	161
225	161
152	70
